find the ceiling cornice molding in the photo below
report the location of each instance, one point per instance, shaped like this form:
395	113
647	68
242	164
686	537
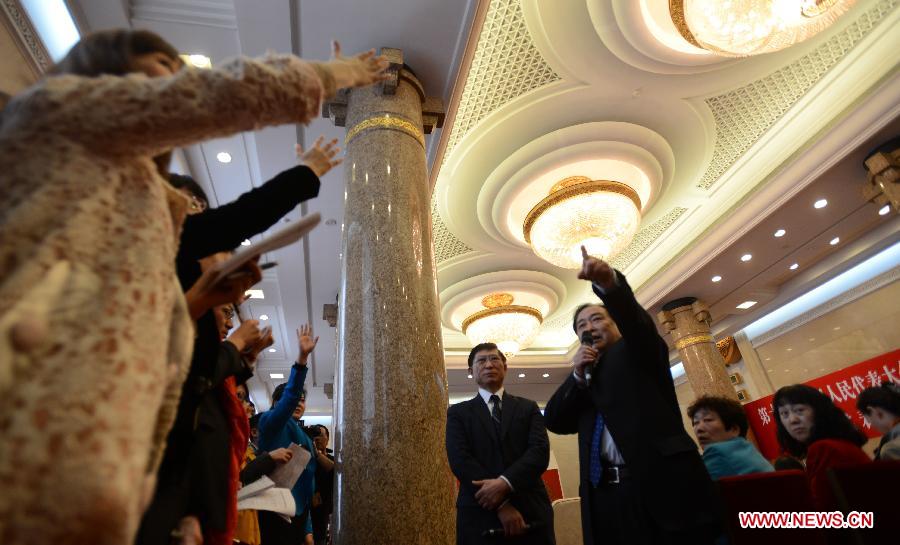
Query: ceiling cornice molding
848	296
459	86
216	13
795	174
744	115
26	37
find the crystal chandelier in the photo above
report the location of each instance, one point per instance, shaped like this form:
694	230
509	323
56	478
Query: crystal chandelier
738	28
511	327
600	214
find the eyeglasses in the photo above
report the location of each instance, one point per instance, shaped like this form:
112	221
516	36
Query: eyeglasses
228	311
196	205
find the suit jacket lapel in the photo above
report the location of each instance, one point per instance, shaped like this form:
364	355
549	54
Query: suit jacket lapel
507	413
483	416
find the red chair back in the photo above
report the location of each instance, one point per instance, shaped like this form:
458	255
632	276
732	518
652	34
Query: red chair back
778	491
871	488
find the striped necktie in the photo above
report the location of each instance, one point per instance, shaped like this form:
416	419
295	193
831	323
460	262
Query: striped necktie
496	417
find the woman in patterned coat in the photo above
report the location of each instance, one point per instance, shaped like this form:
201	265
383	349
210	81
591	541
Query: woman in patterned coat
95	334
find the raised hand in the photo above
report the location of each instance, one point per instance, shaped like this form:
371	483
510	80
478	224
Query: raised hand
246	336
320	159
205	294
357	71
306	341
596	270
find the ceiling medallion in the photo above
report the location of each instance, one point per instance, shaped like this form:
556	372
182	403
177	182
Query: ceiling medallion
739	28
602	215
511	327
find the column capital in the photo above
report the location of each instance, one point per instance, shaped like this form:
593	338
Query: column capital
432	107
883	168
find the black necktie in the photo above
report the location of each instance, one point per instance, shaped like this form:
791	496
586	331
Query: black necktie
495	413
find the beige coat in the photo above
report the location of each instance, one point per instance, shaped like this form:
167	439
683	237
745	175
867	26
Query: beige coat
88	236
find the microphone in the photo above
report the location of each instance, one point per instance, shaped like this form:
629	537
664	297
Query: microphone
588	340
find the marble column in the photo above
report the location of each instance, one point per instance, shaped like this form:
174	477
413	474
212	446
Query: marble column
393	483
687	321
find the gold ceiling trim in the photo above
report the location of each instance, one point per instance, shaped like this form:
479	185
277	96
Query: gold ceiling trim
676	12
566	193
509	309
495	300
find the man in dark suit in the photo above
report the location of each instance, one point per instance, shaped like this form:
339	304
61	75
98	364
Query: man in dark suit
642	479
498	449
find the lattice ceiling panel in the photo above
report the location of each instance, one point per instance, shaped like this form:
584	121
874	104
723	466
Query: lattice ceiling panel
505	65
742	116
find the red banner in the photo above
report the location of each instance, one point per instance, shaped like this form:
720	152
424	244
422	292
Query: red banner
841	386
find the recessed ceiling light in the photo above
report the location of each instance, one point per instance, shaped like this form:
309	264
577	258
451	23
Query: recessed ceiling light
884	210
811	339
746	304
470	375
197	60
716	278
767	359
769	370
255	294
794	266
246	242
780	233
834	241
223	157
521	375
790	349
836	328
272	350
276	375
546	375
821	203
746	257
264	317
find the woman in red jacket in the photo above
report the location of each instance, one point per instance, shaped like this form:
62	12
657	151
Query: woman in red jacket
810	426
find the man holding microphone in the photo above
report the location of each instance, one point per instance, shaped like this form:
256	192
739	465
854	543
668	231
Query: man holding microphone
642	480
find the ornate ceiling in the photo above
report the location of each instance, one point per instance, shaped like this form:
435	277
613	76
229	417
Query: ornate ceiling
602	88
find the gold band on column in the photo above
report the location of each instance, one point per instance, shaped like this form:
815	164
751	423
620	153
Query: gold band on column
691	340
386	122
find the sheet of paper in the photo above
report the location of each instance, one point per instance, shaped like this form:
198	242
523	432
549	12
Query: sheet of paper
286	475
272	242
277	500
256	487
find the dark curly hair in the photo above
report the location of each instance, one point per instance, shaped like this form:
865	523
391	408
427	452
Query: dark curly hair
886	397
829	422
729	410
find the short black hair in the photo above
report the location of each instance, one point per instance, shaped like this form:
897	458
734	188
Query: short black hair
578	311
729	411
886	397
829	421
484	346
279	391
180	181
254	421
